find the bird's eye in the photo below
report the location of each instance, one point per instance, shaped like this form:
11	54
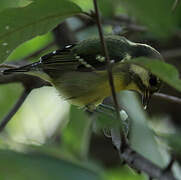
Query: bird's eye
153	81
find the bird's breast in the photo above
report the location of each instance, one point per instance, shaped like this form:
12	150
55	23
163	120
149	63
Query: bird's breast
87	88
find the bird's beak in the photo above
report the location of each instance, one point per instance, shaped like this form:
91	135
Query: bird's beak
146	98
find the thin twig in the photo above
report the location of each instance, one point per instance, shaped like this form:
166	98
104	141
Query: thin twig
169	98
109	68
121	20
14	109
171	53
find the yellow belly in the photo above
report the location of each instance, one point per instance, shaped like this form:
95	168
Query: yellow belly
90	89
95	97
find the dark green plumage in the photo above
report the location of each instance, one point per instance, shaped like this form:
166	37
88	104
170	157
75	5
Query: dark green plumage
68	58
88	50
79	71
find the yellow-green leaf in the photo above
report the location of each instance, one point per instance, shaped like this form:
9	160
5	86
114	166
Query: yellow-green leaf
18	25
166	72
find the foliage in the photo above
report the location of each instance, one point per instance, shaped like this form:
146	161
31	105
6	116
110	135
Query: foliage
18	25
166	72
151	14
20	166
76	135
25	27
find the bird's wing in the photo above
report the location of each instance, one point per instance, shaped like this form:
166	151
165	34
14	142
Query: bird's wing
75	57
67	59
58	60
84	56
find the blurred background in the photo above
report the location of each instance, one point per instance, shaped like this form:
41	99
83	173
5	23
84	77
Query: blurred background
48	123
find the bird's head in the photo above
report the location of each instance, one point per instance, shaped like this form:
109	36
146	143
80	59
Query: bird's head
146	82
140	79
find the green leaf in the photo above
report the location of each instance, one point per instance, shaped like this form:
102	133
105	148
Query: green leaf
173	140
141	137
107	7
18	25
85	5
120	173
29	47
156	14
4	4
166	72
106	117
76	135
106	120
19	166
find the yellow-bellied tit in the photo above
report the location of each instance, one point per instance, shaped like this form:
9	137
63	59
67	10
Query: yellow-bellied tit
79	72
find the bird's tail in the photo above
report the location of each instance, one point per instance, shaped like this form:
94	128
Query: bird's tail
23	69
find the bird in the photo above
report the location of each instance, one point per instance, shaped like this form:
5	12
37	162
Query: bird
79	71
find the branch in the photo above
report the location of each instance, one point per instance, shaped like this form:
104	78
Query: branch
138	162
109	69
171	53
121	20
12	112
167	97
128	22
29	82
